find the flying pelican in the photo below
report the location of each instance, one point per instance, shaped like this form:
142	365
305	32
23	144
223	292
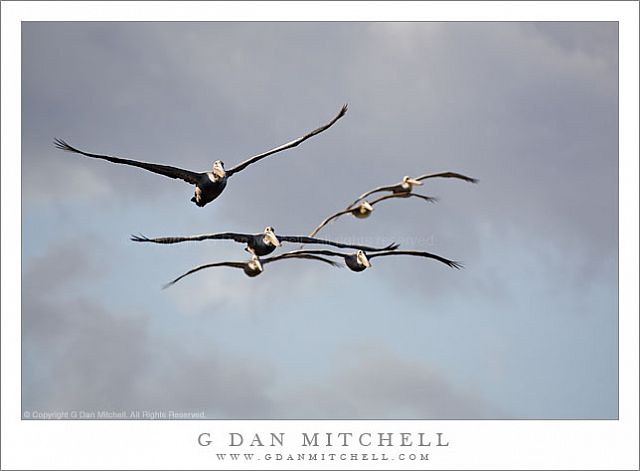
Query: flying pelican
363	209
209	185
407	184
259	244
359	261
254	267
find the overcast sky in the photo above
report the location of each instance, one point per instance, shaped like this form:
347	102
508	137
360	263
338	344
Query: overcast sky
527	330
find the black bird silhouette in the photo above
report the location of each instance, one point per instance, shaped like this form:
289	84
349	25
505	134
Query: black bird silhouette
254	267
363	209
359	260
406	185
259	244
209	185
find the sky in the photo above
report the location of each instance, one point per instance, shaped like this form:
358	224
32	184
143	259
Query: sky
527	330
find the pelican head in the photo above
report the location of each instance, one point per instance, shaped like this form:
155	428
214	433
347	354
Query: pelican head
254	265
362	259
363	210
218	169
408	181
270	237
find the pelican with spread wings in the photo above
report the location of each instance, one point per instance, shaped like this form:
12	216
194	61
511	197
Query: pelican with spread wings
405	187
363	209
254	267
260	244
359	261
209	185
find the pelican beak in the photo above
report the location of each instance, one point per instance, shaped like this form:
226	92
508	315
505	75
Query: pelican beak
272	239
414	182
362	259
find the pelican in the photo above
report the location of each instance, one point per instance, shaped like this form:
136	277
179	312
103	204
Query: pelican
406	185
209	185
254	267
359	261
259	244
363	209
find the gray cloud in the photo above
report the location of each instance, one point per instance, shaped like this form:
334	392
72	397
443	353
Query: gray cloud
80	355
370	381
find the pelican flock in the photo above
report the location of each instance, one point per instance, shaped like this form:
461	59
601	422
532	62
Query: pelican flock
210	184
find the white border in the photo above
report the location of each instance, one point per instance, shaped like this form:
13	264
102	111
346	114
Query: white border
172	445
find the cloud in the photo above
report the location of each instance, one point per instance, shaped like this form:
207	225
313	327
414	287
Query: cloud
373	382
80	355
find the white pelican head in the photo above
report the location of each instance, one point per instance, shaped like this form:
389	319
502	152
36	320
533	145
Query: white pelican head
408	181
270	237
254	264
365	207
362	259
218	169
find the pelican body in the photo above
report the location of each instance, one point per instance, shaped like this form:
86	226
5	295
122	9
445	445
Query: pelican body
253	267
357	262
209	185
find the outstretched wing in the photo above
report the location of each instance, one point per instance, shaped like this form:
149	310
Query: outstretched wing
288	145
300	254
172	172
243	238
328	220
202	267
312	240
430	199
370	192
446	261
448	175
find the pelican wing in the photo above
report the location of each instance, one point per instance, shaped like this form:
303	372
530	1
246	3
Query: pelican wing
202	267
430	199
448	175
446	261
288	145
166	170
243	238
306	255
328	220
370	192
312	240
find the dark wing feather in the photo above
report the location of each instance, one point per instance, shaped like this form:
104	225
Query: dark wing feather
243	238
370	192
448	175
302	255
288	145
172	172
328	220
446	261
202	267
312	240
430	199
